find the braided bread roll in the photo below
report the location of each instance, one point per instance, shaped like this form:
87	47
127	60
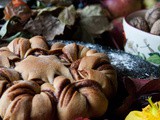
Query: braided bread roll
85	63
25	100
79	99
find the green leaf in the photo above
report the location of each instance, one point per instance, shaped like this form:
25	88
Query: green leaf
96	24
13	37
68	15
92	10
154	58
82	35
154	53
3	30
10	25
94	20
40	4
159	47
18	34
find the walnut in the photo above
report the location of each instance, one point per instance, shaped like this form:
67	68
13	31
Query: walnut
152	15
156	28
140	23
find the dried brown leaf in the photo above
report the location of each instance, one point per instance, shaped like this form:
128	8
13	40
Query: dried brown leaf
68	15
46	25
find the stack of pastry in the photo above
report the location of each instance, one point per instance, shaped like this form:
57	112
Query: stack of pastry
60	82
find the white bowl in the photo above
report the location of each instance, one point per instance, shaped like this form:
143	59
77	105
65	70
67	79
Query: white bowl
138	42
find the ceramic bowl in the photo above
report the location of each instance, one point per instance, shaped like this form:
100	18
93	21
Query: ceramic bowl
138	42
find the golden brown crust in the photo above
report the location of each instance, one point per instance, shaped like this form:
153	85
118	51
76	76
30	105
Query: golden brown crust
19	46
36	52
38	42
7	77
97	69
86	96
9	74
4	51
57	46
4	62
44	68
24	101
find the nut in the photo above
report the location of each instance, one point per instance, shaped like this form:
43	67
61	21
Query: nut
140	23
156	28
152	15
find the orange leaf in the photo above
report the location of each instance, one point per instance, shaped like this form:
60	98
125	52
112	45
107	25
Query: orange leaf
17	3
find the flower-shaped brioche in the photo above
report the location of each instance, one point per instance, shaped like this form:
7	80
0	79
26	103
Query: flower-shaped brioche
85	95
25	100
86	63
97	69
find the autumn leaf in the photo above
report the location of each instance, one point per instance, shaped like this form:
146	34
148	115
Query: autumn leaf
92	10
68	15
95	24
93	19
46	25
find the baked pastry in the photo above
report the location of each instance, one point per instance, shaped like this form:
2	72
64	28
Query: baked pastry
25	100
85	63
45	68
7	77
38	46
7	58
86	95
19	46
50	83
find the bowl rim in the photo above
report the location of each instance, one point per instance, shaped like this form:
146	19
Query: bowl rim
133	13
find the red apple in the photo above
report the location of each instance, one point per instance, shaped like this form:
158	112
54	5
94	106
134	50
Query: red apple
119	8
